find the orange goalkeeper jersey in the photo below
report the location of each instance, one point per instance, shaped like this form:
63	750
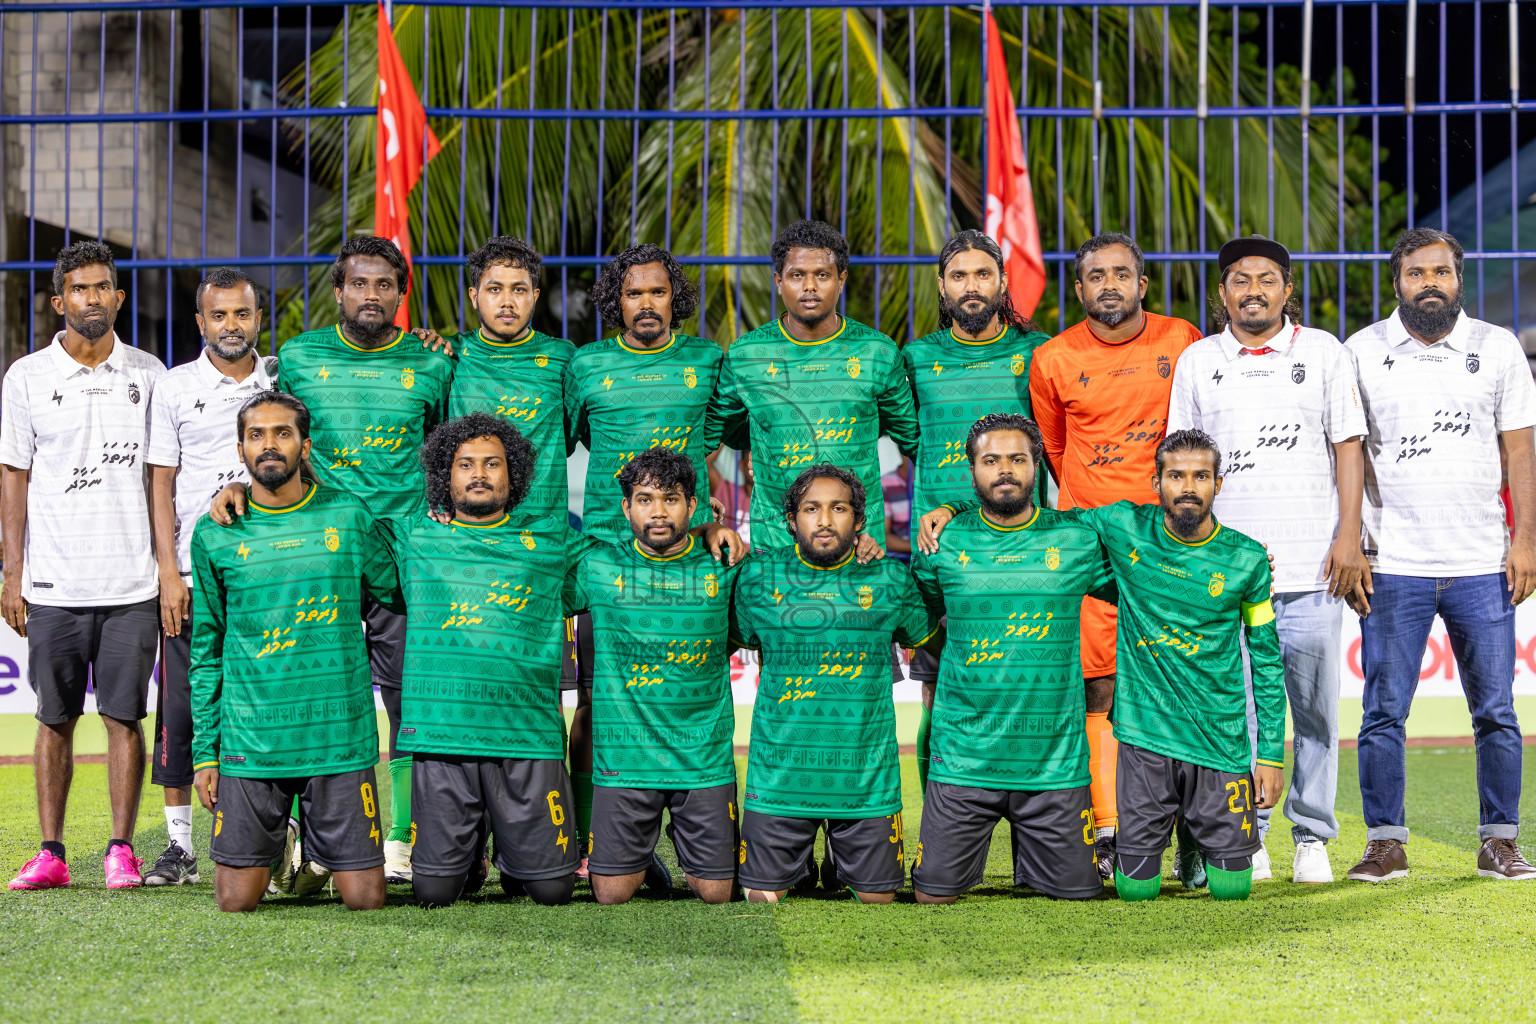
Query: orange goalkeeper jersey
1103	408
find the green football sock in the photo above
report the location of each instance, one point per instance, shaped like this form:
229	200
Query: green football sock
1229	885
399	801
581	782
293	811
924	725
1137	890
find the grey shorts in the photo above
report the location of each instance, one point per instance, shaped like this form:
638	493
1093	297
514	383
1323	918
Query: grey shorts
576	665
338	820
627	822
524	804
925	667
171	759
776	852
1151	790
112	648
1052	832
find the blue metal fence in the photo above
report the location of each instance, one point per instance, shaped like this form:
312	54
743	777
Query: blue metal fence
242	130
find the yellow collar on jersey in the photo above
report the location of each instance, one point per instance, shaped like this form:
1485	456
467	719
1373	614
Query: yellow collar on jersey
313	487
663	558
1010	529
1191	543
645	351
482	526
984	341
824	568
527	333
359	348
841	327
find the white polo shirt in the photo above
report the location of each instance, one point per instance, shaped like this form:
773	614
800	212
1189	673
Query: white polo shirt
84	435
192	427
1432	474
1276	417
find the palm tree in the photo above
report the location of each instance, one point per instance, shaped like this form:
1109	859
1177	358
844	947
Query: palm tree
723	187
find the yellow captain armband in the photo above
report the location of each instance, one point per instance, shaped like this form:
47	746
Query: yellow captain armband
1258	613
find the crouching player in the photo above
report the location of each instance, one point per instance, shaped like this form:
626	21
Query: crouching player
282	701
1188	587
823	727
1007	736
485	634
662	719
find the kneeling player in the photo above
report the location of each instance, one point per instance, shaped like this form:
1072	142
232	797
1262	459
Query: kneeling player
485	634
1188	587
662	720
824	728
1007	738
282	701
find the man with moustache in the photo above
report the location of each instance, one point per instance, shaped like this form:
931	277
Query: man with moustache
823	745
80	581
1008	740
1099	392
975	365
1281	402
1443	393
192	454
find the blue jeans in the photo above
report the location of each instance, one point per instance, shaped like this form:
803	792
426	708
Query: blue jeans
1481	624
1309	624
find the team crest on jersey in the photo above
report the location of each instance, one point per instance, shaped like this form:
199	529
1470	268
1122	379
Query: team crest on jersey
853	366
332	538
1017	363
541	360
1164	367
1218	581
690	378
1472	364
407	378
527	539
1052	558
711	585
866	597
1299	372
133	393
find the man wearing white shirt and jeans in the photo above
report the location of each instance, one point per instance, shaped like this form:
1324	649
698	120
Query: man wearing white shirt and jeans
1281	401
192	454
80	580
1442	393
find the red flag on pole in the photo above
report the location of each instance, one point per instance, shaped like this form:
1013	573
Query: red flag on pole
1010	203
402	125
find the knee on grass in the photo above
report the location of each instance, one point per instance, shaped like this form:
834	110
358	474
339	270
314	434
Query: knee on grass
1227	884
1144	880
433	891
549	892
712	890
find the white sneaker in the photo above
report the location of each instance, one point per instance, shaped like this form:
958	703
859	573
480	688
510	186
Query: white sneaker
397	862
1261	868
1312	865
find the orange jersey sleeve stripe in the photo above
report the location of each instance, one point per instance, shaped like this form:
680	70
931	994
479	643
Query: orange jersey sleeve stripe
1103	408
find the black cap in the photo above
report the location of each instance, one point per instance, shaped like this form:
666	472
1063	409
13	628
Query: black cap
1253	245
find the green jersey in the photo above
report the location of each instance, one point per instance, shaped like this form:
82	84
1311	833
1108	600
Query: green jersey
485	632
370	411
279	672
621	400
662	715
956	383
1179	688
524	382
1008	708
823	725
798	403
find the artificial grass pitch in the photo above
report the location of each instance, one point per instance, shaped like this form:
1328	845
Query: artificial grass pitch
1442	942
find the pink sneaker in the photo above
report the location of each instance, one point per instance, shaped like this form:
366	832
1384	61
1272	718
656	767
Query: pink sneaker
45	871
122	868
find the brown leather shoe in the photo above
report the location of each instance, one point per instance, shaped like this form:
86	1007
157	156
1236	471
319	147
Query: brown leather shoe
1501	858
1384	859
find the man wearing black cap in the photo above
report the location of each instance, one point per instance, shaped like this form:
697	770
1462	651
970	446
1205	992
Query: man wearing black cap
1282	402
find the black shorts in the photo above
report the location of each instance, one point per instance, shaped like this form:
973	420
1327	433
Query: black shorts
384	631
627	822
338	820
111	647
171	760
1151	789
925	667
776	852
576	666
524	803
1052	833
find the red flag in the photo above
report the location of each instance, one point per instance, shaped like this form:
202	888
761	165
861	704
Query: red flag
402	125
1010	203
